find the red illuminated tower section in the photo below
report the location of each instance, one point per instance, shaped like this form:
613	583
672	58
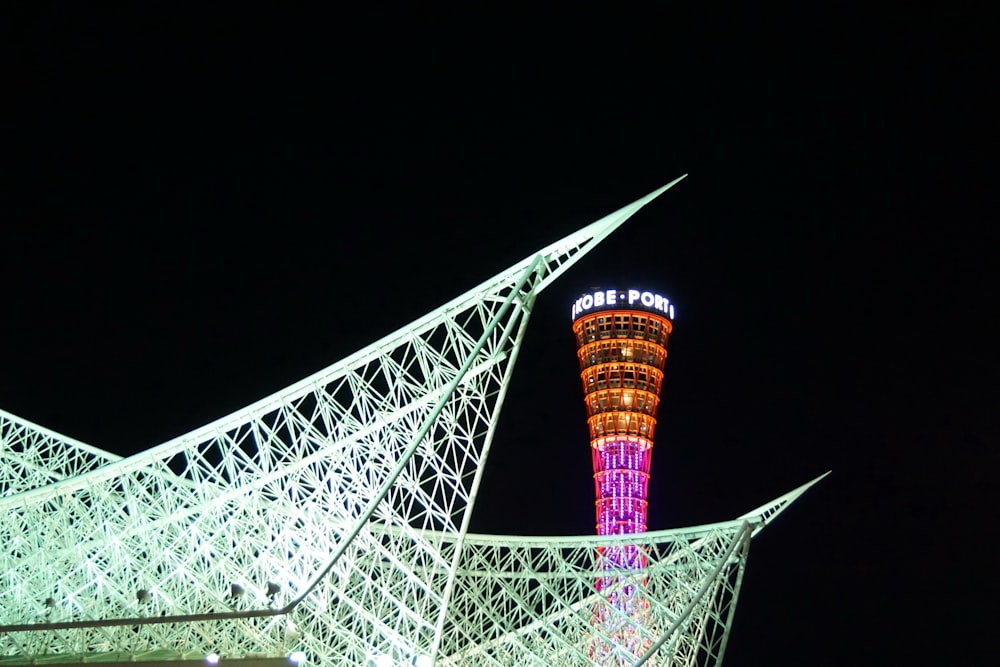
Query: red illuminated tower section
621	338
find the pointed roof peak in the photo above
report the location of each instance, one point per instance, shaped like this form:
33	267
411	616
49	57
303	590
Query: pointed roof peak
764	514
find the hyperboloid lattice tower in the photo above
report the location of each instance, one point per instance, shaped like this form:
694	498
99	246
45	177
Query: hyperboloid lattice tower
621	338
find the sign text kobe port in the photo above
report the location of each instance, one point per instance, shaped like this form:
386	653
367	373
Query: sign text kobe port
631	298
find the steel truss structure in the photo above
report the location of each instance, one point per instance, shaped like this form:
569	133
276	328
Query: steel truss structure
329	522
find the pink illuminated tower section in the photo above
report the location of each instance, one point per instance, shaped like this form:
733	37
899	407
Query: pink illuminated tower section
621	338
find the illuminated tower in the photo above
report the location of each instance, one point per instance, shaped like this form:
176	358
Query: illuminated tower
621	339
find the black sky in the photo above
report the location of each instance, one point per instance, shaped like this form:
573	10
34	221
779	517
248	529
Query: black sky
203	207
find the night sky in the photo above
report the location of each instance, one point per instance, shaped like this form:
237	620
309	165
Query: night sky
201	208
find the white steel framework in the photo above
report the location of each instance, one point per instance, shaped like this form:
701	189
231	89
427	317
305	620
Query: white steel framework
329	522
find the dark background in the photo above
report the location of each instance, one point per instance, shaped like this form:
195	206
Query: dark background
202	207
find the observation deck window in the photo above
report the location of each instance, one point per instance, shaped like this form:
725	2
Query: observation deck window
629	400
605	327
639	326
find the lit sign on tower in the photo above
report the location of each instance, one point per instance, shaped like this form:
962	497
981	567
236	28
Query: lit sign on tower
627	299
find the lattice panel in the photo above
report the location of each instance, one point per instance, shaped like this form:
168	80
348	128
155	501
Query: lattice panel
526	602
32	456
272	495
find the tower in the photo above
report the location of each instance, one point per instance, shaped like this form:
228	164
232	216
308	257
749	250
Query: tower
621	338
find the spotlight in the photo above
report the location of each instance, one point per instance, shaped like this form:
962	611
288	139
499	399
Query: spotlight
422	661
297	658
212	658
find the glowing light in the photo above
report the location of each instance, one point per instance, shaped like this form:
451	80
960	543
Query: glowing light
422	661
297	658
212	658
